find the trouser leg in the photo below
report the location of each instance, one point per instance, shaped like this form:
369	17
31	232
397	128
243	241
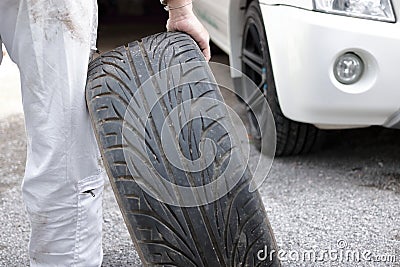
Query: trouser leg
51	41
1	50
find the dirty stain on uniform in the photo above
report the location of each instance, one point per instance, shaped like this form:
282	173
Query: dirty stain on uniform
57	17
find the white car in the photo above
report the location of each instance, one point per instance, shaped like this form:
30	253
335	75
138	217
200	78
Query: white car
323	64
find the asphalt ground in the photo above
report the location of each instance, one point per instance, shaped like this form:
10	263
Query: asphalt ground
343	197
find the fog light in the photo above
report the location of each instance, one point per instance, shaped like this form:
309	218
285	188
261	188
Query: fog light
348	68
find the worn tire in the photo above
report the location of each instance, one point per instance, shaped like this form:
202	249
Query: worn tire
292	137
227	232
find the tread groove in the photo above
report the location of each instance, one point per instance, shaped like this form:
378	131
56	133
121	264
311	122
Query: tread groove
151	72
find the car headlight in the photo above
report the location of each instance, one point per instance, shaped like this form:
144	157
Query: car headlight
368	9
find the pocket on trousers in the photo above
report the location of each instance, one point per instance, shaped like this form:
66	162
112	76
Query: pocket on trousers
90	193
70	236
90	219
90	186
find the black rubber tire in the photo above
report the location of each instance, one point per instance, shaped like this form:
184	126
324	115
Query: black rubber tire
227	232
292	137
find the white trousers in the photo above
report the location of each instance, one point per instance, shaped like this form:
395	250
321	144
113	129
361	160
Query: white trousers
51	41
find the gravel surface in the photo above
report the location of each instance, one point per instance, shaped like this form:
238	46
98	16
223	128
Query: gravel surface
344	196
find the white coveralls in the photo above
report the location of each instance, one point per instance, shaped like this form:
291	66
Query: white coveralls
51	41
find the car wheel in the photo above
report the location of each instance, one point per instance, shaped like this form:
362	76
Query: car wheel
291	137
131	105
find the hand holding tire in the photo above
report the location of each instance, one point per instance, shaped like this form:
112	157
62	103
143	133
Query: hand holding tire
184	20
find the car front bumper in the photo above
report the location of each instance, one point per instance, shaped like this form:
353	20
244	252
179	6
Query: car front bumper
304	46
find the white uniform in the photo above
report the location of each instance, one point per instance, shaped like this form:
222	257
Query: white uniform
51	41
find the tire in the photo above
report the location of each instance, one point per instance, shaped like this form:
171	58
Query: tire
292	137
229	231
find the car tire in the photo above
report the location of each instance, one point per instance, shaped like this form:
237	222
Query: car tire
230	231
292	137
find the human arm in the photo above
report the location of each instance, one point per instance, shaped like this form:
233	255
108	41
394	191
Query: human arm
182	18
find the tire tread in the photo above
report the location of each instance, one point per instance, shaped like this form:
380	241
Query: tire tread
227	232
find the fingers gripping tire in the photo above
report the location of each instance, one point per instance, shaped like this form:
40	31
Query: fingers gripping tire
229	231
